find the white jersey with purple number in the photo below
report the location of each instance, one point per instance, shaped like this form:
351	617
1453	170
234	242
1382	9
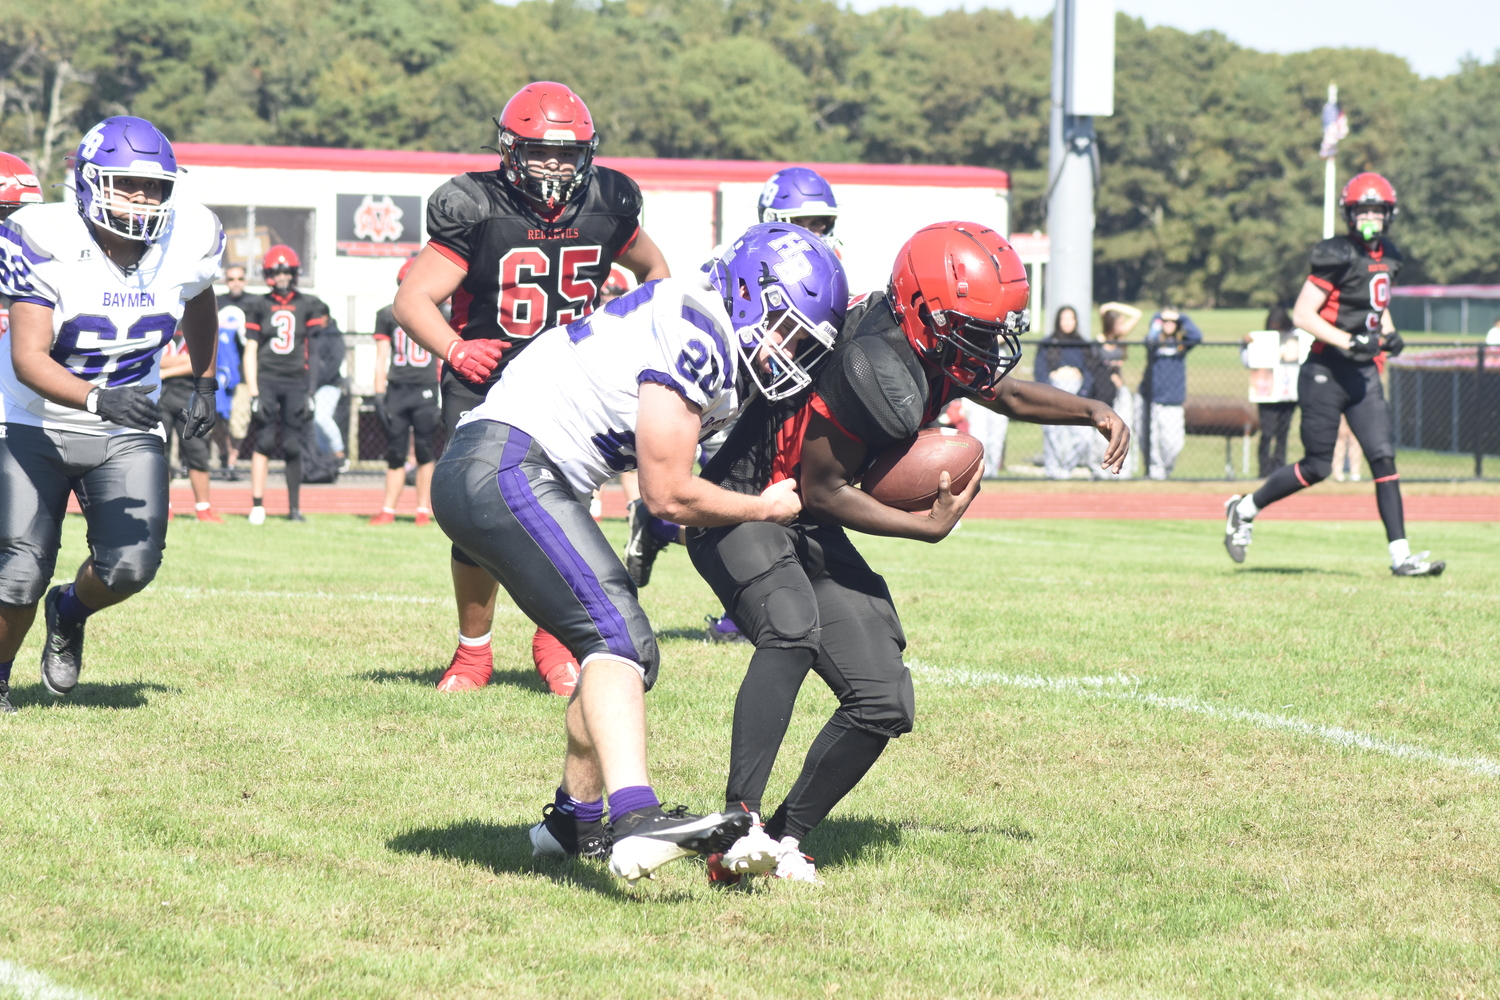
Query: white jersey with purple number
576	388
108	327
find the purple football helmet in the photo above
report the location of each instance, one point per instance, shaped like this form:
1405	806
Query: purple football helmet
122	146
786	295
797	193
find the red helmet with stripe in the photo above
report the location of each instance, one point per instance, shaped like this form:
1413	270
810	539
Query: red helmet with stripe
18	184
280	258
960	293
1368	191
541	120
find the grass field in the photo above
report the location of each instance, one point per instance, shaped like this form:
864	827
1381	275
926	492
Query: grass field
1138	771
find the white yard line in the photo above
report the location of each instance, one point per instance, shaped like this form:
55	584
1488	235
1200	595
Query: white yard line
20	982
1122	687
315	595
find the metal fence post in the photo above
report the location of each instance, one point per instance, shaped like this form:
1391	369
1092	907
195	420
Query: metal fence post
1478	423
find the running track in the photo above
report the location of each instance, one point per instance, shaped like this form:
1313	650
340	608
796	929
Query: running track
1307	506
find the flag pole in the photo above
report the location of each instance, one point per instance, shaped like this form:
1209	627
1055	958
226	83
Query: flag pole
1329	171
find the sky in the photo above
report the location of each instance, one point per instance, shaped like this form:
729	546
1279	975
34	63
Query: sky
1433	35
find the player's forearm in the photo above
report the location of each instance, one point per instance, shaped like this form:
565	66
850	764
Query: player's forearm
850	507
697	503
423	321
30	344
1037	403
200	332
252	366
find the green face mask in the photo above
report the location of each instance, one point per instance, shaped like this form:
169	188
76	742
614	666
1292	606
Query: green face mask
1369	228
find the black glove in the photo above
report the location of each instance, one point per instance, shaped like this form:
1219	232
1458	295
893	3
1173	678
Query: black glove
200	415
128	406
381	415
1363	346
305	411
1394	345
263	410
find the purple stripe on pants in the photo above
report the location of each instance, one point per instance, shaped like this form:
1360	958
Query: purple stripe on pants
553	541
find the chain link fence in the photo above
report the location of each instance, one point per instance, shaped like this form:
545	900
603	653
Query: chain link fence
1444	397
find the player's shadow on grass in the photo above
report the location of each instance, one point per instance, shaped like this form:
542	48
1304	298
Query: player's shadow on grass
692	634
504	849
1294	571
850	840
527	680
129	694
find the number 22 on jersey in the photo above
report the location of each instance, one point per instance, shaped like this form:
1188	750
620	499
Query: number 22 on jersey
524	300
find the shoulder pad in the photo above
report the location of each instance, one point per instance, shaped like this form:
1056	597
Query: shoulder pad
874	385
1338	250
1391	251
462	199
618	191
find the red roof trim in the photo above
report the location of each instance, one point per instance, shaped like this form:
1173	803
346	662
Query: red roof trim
656	173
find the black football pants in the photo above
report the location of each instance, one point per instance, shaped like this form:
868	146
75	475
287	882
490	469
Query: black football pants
808	600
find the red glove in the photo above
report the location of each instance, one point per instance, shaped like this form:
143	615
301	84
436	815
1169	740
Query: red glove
475	360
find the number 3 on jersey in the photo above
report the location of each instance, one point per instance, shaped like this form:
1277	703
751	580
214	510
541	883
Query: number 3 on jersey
524	300
285	322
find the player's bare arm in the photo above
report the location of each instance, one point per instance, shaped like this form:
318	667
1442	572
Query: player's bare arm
830	461
251	365
200	331
382	362
30	347
432	281
1306	315
1037	403
666	433
644	259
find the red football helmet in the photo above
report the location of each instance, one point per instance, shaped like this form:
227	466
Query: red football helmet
18	185
405	269
549	115
280	258
960	291
1365	191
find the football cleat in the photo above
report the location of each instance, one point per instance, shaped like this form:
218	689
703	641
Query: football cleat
470	668
793	865
1417	565
554	663
753	854
642	547
208	516
560	835
257	515
647	839
295	515
423	516
718	875
723	630
384	517
62	653
5	706
1236	530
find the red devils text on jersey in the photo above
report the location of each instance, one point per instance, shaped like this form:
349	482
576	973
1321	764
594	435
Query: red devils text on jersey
872	388
411	363
526	275
1358	281
282	331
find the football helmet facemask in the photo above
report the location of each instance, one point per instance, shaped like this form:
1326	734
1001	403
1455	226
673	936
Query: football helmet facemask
1364	192
543	120
124	146
798	194
960	293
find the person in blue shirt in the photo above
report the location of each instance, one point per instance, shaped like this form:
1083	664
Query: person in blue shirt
1164	388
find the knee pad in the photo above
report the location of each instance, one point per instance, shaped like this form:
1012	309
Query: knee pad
395	453
194	453
127	571
1314	470
885	709
779	609
1382	468
291	446
265	438
422	443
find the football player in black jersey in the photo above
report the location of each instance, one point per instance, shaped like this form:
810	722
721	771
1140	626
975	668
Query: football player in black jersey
276	371
520	249
406	404
947	327
1344	305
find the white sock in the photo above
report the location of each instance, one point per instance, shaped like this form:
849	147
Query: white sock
423	510
1247	507
200	506
389	510
483	640
1400	551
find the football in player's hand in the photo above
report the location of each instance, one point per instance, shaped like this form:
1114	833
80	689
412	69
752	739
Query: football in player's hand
905	476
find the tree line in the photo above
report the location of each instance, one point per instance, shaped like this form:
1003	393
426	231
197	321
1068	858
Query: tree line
1211	188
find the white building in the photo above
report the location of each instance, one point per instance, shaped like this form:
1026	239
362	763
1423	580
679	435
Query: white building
355	215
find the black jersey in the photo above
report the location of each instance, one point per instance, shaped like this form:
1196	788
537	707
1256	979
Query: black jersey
872	387
411	363
526	275
291	318
1358	281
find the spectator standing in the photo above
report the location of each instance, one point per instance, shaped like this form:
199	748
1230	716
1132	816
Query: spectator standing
177	386
1274	356
1171	335
1118	319
1062	361
406	404
240	316
326	374
1492	339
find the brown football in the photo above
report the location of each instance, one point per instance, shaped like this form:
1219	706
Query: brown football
905	476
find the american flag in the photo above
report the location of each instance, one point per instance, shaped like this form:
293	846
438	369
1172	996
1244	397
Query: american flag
1335	127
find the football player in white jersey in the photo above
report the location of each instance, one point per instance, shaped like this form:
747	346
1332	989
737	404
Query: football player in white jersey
635	385
99	285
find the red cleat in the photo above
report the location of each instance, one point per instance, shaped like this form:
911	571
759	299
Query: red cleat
555	664
384	517
470	668
209	516
423	516
718	875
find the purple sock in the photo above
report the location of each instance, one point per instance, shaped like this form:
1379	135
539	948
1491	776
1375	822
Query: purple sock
631	799
585	812
664	531
5	671
71	608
